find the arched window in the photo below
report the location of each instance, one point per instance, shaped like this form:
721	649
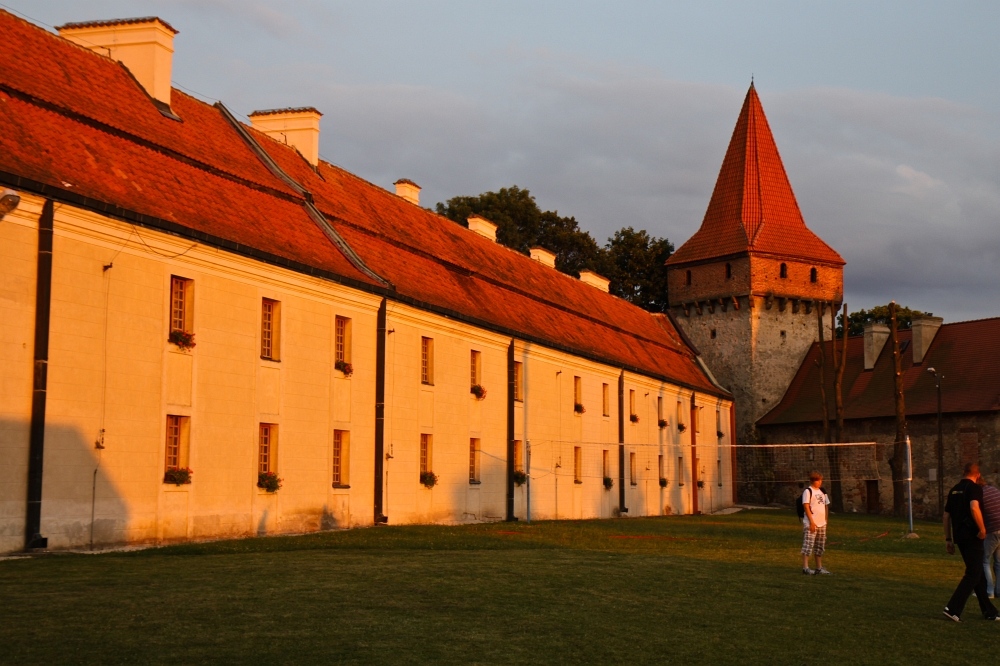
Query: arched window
687	278
813	275
784	270
729	271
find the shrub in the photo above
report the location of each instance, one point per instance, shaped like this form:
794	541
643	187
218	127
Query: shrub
428	479
608	482
478	391
663	482
579	408
634	418
520	478
662	423
269	481
178	476
182	339
344	367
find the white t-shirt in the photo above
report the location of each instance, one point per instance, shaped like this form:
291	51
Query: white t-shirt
815	499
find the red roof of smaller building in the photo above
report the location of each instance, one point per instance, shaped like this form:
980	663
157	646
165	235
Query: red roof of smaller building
753	208
967	354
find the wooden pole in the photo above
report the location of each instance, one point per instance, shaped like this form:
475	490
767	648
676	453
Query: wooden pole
898	461
822	373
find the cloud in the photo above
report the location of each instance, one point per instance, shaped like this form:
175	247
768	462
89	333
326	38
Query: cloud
276	23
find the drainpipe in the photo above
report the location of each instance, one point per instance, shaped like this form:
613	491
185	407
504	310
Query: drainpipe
380	336
510	432
732	448
33	538
694	456
621	444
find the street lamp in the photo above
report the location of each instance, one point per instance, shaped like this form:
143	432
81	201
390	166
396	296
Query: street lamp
9	199
940	443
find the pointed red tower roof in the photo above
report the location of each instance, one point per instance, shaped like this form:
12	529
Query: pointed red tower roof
753	209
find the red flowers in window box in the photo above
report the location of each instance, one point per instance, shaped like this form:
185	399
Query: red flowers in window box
344	367
608	483
478	391
662	423
520	478
681	427
178	476
428	479
579	408
269	481
182	339
634	418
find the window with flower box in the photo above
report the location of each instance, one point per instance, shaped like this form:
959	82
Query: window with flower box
176	448
267	448
425	453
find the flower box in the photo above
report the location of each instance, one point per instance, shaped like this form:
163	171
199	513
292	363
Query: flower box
178	476
579	408
478	391
428	479
681	427
634	418
663	483
662	423
182	339
344	367
520	478
269	481
608	483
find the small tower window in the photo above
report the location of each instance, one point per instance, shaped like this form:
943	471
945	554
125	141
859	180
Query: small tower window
813	274
784	271
687	278
729	271
712	334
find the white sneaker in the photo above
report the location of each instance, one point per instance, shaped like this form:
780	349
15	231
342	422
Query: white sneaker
808	572
823	571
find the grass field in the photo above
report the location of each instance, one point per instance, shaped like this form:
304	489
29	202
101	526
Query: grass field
707	589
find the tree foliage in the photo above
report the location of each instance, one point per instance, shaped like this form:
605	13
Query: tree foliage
632	260
877	315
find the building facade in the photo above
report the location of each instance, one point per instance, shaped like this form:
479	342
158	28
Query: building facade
196	310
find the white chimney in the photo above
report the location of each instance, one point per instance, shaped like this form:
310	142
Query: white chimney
144	45
408	190
875	337
595	280
483	227
924	330
298	127
543	256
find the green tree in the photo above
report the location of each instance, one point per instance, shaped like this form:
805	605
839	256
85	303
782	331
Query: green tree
877	315
632	260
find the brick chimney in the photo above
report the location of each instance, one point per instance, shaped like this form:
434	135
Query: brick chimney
924	330
595	280
483	227
543	256
144	45
408	190
875	337
298	127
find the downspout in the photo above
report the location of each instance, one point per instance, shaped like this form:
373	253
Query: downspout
694	456
33	538
510	432
621	444
732	447
380	337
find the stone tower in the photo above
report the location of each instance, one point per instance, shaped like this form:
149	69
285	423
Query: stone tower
746	288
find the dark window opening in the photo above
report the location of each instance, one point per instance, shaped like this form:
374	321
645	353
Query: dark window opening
687	278
784	270
729	271
712	334
813	275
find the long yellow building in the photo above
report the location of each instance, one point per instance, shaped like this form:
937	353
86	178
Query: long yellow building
196	311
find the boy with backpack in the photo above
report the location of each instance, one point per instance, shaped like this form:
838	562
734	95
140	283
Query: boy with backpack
814	509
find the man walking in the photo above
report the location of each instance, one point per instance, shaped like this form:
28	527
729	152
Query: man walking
991	545
963	525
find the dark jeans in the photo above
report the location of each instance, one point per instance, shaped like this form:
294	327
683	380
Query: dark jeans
974	579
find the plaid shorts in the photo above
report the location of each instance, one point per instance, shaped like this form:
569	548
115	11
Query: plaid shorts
814	542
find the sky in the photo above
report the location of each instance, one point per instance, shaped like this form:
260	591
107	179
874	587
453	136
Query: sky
619	113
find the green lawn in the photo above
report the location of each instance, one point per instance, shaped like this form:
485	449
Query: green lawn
708	589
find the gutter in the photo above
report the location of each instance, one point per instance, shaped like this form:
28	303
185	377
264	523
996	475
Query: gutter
33	538
621	444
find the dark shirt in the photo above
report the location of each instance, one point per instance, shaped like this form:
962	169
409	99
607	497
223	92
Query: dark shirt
991	508
963	525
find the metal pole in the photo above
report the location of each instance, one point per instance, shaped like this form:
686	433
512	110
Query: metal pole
527	479
909	480
940	447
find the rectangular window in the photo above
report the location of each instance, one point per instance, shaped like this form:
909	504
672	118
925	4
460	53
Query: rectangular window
518	381
270	325
633	479
425	453
605	463
680	469
341	457
518	455
631	401
475	367
342	339
177	442
606	399
679	416
697	419
577	390
659	467
474	460
267	442
718	420
577	464
659	408
181	301
427	360
719	477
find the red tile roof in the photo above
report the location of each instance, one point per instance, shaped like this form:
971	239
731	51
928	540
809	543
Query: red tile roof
753	209
966	353
76	122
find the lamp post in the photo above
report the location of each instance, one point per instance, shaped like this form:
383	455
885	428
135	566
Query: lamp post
940	442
